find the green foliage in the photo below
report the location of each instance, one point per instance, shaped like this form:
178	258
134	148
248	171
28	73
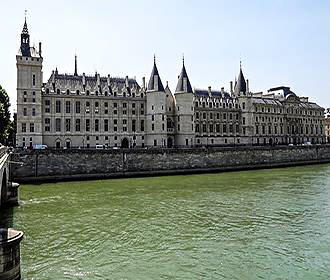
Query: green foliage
5	122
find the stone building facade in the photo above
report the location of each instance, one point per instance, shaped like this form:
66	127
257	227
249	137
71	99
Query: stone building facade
87	111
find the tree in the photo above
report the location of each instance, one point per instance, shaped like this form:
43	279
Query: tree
4	115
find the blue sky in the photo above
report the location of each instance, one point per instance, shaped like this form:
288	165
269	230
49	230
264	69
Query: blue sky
279	42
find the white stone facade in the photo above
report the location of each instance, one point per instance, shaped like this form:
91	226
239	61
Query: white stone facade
81	111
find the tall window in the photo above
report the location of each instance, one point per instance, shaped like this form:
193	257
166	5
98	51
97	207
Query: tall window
47	106
96	125
33	111
33	80
133	125
142	125
67	107
31	127
88	125
47	124
58	106
58	125
24	112
77	107
106	125
67	124
77	124
23	127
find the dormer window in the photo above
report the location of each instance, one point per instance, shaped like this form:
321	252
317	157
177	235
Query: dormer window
67	92
77	92
87	93
58	91
47	90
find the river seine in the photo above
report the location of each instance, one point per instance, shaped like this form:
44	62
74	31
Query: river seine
265	224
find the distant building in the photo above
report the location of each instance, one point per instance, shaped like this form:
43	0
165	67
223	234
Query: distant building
79	110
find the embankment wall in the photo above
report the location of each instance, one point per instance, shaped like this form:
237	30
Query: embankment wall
52	165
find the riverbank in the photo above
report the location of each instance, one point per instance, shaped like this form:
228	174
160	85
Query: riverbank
58	165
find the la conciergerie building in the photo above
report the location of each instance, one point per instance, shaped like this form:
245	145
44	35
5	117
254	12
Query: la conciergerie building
79	110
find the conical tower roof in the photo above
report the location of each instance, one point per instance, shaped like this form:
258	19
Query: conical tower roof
25	29
240	85
155	83
183	82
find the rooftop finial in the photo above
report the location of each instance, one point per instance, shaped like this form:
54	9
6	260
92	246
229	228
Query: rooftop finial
183	59
240	64
154	58
25	12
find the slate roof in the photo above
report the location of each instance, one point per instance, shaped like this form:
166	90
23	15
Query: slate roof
240	85
155	75
205	93
286	90
65	81
180	86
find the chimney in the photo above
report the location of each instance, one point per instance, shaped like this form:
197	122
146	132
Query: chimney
75	66
143	82
126	82
108	80
40	54
231	87
84	79
247	86
210	91
222	90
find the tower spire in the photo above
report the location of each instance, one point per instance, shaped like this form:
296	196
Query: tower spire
75	65
25	40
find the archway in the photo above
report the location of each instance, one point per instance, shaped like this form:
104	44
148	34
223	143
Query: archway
4	188
169	142
124	143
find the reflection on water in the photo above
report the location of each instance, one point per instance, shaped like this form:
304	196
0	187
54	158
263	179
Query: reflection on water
267	224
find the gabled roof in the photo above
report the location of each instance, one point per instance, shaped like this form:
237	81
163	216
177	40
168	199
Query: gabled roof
181	86
155	77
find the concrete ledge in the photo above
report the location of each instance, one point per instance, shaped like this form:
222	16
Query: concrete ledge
151	173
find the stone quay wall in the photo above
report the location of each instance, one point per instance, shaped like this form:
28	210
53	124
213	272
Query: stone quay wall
54	165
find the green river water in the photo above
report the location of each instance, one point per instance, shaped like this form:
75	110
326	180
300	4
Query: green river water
265	224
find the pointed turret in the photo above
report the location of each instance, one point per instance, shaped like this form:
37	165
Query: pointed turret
183	82
25	41
155	83
240	85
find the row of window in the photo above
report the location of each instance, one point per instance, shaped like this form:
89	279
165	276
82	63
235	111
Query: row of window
288	110
217	128
210	116
217	105
96	93
88	128
290	129
78	105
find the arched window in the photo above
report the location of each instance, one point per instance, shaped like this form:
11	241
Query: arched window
87	93
47	90
68	92
96	93
77	92
124	94
141	94
106	93
58	91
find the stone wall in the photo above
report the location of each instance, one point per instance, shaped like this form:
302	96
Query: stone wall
41	165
